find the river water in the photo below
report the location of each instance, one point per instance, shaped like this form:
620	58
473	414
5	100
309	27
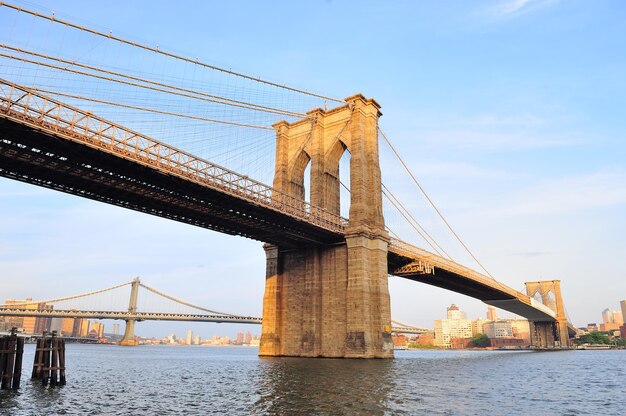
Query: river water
151	380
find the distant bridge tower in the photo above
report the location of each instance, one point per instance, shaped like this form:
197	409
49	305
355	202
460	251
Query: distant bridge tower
549	334
330	300
129	332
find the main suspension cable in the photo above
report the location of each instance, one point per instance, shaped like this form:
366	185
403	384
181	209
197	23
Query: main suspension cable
227	101
82	295
134	84
165	53
430	201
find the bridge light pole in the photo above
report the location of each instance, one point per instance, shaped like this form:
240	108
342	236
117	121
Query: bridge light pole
129	333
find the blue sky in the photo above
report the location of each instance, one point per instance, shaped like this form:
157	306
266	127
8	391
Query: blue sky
511	114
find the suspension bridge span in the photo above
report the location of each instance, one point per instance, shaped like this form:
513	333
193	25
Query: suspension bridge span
326	289
75	307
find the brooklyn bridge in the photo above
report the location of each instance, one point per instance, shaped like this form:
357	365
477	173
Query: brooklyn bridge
74	121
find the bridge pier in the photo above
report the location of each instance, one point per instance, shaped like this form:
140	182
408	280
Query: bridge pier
552	334
330	300
128	339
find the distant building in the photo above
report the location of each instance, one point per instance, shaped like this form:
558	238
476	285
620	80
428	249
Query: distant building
622	304
477	326
96	330
612	317
622	331
426	339
492	314
239	340
593	327
67	327
456	326
498	329
399	340
248	338
197	340
29	324
189	337
521	329
83	330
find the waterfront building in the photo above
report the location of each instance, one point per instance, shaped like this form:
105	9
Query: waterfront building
248	338
189	337
492	314
477	326
521	329
455	326
622	304
498	329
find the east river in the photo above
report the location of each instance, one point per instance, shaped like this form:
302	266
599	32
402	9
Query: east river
151	380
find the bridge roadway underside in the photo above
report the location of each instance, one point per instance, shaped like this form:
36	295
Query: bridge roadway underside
490	294
53	162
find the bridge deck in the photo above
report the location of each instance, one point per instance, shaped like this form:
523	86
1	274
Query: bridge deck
51	144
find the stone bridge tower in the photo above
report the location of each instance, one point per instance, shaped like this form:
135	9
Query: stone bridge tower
330	301
549	334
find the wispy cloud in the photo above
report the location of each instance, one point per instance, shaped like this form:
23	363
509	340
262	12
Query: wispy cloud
584	192
513	8
496	141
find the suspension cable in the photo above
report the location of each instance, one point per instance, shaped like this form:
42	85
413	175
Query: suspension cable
183	302
150	110
95	292
227	101
412	221
165	53
134	84
432	203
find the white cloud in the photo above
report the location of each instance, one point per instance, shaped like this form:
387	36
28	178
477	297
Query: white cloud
514	8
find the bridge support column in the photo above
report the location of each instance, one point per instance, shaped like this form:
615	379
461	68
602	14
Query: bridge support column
129	333
331	300
542	334
549	334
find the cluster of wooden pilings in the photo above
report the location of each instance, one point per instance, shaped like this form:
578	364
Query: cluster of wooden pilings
11	352
49	364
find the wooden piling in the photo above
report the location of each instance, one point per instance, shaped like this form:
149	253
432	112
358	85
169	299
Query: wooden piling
62	361
38	362
19	354
11	353
49	364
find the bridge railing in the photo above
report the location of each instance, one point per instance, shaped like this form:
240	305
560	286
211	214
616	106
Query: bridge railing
27	106
402	248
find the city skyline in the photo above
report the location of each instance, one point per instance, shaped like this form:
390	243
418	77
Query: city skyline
523	160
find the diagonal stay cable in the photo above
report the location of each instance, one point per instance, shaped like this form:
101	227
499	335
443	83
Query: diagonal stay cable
401	208
148	87
220	99
150	110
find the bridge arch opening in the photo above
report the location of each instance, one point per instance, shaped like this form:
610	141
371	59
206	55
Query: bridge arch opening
300	177
344	181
